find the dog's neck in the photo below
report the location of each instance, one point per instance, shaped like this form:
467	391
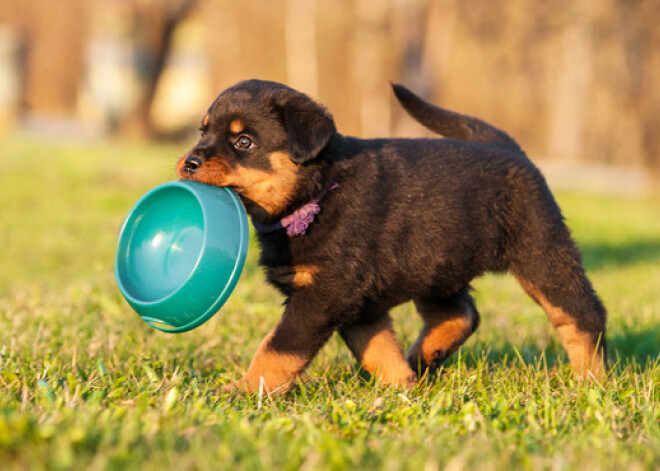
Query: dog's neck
297	223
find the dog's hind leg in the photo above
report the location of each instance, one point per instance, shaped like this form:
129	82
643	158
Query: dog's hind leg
448	322
554	277
376	348
579	318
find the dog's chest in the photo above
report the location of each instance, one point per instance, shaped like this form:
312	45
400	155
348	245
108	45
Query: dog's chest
286	262
289	278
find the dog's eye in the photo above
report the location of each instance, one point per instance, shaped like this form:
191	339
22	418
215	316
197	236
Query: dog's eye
202	130
244	143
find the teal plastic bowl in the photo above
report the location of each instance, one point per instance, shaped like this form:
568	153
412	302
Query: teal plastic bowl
180	253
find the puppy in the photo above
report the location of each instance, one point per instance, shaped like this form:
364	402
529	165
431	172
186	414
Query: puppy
351	227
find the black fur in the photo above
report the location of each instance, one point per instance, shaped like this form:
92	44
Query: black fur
413	219
309	127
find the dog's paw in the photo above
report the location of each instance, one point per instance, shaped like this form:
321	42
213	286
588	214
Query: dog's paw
243	385
402	377
259	385
422	363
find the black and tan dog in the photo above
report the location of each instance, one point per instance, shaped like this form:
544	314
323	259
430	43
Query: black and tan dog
350	228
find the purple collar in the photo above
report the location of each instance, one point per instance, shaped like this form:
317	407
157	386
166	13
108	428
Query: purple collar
297	222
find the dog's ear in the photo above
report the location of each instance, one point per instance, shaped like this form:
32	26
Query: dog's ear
309	126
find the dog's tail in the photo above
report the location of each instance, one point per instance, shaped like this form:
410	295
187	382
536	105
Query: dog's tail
450	124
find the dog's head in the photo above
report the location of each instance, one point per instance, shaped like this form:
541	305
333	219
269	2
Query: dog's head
255	138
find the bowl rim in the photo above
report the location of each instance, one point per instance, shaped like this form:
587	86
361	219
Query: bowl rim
236	270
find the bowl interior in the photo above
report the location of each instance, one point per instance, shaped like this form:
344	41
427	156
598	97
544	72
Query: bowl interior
161	245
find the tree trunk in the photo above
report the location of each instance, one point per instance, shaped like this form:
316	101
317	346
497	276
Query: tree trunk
156	23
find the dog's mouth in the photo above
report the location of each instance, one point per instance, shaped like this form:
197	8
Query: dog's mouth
193	168
268	190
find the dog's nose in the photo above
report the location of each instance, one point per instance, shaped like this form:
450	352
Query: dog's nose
191	164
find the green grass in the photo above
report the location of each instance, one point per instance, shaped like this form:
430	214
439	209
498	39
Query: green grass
85	384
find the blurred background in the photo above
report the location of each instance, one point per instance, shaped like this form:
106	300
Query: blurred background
574	81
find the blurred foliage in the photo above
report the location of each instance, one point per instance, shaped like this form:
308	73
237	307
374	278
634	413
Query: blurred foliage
571	79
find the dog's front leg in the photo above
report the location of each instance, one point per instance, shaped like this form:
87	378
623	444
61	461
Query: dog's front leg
375	346
287	349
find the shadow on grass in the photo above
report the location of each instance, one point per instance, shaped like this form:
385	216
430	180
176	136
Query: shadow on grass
639	348
509	355
642	346
596	256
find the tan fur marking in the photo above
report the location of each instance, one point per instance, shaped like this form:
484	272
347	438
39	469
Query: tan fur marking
213	172
304	275
442	332
446	337
236	126
277	369
580	345
272	189
300	276
205	121
376	348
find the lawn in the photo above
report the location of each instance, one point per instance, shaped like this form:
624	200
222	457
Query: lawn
85	384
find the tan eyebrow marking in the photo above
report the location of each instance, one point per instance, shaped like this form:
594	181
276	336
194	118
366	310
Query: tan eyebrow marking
205	121
236	126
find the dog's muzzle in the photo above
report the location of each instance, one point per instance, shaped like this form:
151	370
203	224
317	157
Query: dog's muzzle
191	164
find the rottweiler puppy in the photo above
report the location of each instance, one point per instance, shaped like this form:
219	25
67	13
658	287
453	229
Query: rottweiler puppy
351	227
